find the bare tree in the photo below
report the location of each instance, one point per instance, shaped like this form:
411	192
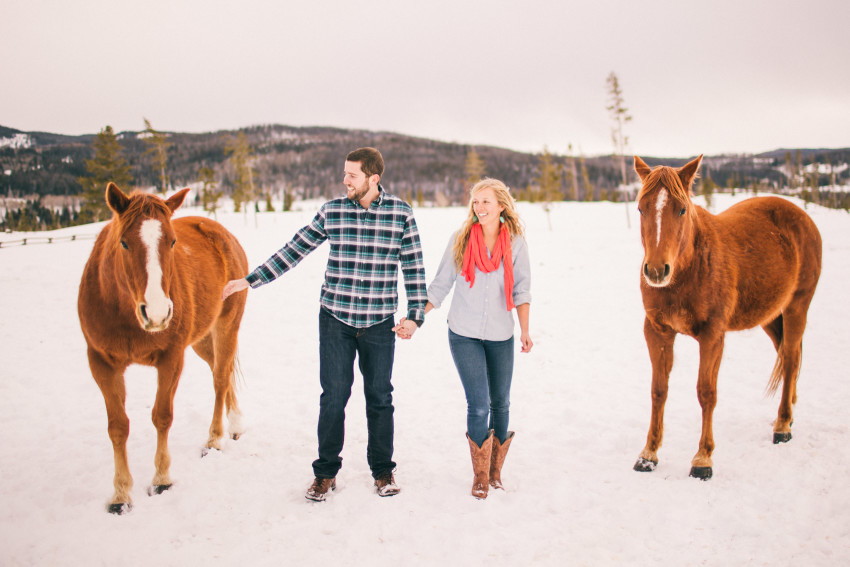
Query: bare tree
619	115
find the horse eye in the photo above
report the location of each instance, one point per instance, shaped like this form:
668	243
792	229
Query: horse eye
640	211
682	212
173	242
124	245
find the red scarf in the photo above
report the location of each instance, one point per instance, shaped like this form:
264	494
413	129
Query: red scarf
476	256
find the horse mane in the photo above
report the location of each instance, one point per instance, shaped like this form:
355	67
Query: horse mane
666	177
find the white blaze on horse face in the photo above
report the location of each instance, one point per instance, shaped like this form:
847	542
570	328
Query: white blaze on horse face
660	203
157	305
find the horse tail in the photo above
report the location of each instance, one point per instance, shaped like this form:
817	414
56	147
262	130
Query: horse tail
237	377
775	376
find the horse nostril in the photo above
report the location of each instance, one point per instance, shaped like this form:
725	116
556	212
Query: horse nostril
646	269
666	270
144	311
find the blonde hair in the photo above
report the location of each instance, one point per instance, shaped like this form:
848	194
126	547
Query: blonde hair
510	216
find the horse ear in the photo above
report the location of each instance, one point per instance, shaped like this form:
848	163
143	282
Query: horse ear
641	168
176	200
116	199
688	172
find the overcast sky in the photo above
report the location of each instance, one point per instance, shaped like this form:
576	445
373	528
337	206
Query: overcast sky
709	77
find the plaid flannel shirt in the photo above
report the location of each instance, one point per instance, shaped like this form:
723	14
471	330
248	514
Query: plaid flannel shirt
367	245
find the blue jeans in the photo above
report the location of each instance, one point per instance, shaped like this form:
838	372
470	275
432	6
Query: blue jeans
375	348
486	369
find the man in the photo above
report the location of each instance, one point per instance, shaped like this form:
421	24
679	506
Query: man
371	232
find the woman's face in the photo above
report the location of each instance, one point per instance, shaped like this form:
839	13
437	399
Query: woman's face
486	207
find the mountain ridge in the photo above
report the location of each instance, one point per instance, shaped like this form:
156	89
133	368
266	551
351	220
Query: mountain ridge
306	160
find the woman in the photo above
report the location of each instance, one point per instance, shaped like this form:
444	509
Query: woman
488	261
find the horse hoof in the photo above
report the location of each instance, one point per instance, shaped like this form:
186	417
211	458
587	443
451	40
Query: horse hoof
645	465
158	489
119	508
781	437
235	436
702	473
209	450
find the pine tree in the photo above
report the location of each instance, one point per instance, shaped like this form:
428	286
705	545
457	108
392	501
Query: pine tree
798	169
789	169
550	179
288	198
241	157
585	177
619	115
209	194
707	189
814	182
158	145
571	175
474	168
107	165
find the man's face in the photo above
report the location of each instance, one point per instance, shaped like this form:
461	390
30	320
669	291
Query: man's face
355	181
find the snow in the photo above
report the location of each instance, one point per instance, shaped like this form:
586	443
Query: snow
16	142
580	409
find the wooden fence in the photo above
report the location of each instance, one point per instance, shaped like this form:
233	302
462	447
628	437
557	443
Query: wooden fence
45	240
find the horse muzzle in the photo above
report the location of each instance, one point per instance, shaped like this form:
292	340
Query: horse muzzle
657	275
153	321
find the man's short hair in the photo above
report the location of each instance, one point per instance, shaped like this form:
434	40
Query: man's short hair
371	161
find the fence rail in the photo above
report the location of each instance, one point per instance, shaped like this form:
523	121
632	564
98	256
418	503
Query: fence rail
45	240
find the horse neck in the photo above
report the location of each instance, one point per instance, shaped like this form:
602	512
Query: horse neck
702	229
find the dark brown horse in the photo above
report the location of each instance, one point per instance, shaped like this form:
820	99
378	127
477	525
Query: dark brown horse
755	264
152	287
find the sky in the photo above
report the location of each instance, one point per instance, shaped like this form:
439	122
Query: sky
728	76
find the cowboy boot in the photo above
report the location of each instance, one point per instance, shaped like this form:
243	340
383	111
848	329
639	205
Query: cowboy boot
481	465
500	451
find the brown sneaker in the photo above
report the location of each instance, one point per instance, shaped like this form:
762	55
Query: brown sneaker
386	486
318	491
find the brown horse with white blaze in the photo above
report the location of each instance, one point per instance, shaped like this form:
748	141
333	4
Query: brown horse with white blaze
151	287
755	264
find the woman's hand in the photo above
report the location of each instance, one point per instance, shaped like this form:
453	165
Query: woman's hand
526	341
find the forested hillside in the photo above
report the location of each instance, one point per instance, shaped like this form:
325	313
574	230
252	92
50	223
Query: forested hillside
306	162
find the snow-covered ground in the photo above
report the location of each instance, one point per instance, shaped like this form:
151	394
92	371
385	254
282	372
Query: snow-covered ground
580	409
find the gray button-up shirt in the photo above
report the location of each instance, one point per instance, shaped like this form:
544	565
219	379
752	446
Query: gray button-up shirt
480	311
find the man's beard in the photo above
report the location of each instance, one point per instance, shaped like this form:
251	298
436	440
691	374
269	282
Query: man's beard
360	192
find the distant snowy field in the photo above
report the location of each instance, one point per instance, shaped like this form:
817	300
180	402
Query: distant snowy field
580	409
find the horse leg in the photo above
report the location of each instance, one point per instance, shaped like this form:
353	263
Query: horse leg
224	377
206	350
710	354
226	354
219	350
168	373
659	341
110	380
789	358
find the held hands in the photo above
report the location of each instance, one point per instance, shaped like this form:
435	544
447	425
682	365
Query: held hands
405	328
234	286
